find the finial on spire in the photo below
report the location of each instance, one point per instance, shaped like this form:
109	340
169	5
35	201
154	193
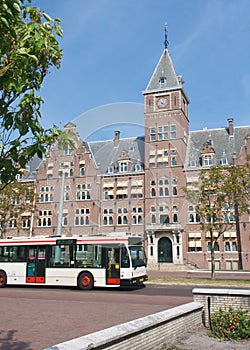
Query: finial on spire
166	36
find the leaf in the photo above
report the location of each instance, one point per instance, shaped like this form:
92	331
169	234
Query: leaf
47	17
16	7
4	21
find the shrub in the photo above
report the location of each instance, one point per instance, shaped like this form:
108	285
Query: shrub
230	324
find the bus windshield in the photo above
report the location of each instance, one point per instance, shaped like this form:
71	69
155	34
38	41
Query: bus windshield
137	256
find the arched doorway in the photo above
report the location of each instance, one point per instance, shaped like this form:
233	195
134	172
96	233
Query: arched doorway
165	252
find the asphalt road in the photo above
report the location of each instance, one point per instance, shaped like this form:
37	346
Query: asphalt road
33	318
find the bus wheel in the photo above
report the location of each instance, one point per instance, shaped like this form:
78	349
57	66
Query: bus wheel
85	281
3	279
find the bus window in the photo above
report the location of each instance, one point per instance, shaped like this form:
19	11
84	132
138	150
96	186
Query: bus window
137	256
88	255
124	257
62	256
13	254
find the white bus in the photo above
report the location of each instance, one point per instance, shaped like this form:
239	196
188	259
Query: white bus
86	262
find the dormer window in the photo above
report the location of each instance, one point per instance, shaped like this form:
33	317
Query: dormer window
123	167
137	167
208	154
208	160
162	80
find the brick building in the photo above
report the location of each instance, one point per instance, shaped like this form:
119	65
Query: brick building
135	184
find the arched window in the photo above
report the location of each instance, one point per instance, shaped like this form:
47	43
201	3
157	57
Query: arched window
191	218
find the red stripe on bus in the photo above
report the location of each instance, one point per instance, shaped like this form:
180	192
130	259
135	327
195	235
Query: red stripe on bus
113	280
30	280
40	280
53	241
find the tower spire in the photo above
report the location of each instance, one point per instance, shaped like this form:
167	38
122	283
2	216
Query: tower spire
166	36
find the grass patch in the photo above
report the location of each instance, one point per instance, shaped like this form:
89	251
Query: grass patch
200	281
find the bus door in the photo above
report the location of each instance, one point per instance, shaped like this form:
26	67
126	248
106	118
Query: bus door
36	262
113	266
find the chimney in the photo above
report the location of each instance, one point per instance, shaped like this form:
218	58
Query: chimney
117	138
230	126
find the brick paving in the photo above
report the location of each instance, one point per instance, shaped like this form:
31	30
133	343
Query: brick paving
35	319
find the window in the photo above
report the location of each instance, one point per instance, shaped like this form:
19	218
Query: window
163	188
44	218
123	167
82	216
173	161
207	160
83	192
174	191
153	219
46	194
164	219
152	134
12	254
26	222
122	218
67	151
162	80
234	246
82	170
13	223
163	132
175	218
173	131
194	242
108	217
137	216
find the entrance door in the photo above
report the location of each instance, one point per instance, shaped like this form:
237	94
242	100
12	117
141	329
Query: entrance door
165	252
36	264
113	266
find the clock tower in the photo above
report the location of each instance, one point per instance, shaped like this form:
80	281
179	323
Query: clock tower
166	133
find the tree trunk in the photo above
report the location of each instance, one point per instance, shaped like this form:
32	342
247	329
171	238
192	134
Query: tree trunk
237	225
212	256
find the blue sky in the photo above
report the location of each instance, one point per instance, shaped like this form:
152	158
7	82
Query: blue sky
111	47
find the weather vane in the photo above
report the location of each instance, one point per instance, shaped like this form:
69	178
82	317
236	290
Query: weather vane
166	36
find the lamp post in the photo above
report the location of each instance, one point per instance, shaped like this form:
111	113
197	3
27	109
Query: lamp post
60	213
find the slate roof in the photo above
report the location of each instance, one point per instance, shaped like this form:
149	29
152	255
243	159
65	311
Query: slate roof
33	166
164	69
224	145
106	153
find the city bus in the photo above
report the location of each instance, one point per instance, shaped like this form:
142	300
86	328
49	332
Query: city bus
85	262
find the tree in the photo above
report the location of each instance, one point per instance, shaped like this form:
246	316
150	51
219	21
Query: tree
16	199
222	196
28	49
237	190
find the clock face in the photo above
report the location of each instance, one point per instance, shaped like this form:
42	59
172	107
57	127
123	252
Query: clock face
162	102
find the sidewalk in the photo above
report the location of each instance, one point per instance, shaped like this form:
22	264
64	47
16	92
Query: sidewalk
227	275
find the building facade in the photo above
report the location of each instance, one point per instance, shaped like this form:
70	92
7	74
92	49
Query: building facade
135	185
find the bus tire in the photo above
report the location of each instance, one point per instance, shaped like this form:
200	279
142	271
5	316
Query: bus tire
3	279
85	281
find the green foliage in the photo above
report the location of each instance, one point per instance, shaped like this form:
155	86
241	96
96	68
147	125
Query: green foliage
28	49
16	199
220	197
230	324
